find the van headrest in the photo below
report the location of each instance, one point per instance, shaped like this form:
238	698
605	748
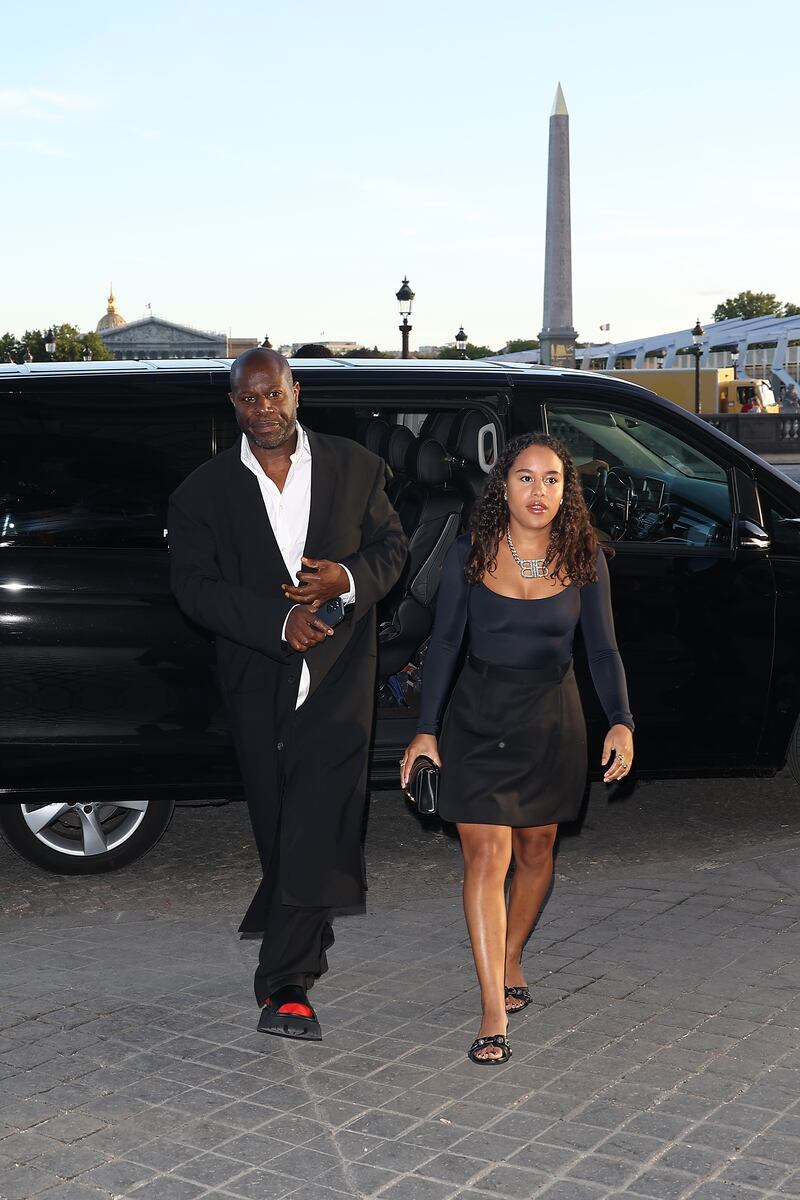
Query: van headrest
439	425
400	439
376	436
433	463
477	441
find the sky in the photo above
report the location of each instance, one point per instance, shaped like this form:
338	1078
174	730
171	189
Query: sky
259	168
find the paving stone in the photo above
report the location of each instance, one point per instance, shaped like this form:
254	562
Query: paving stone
512	1182
568	1189
118	1177
751	1173
355	1178
20	1183
596	1168
716	1190
452	1168
539	1157
572	1134
73	1189
24	1147
399	1156
663	1184
631	1146
770	1148
169	1187
162	1154
211	1170
68	1161
717	1137
414	1188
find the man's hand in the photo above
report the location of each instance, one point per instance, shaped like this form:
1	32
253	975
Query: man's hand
320	581
304	630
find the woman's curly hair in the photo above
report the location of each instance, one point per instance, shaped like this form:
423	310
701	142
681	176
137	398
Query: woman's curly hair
573	545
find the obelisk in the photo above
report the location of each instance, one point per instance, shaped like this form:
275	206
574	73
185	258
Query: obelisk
558	336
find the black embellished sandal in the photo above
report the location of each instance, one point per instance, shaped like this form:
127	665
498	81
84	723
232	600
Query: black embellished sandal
517	993
495	1039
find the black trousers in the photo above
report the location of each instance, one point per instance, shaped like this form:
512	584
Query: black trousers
295	940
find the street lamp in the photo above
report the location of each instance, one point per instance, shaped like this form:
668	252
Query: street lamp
461	342
405	298
697	346
87	354
661	357
735	360
50	342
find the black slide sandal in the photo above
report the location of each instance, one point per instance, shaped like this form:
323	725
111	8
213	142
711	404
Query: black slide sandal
518	993
495	1039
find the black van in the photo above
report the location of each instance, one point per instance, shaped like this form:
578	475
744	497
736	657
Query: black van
109	713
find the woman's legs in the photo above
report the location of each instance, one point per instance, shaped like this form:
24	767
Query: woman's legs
487	855
533	873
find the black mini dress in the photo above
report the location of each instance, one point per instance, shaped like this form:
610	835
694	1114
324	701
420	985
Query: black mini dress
513	740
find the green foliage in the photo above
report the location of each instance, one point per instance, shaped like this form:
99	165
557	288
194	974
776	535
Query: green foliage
754	304
469	351
70	345
517	345
365	352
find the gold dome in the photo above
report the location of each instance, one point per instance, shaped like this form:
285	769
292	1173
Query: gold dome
111	319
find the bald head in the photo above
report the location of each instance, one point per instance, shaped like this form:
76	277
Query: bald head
258	359
264	397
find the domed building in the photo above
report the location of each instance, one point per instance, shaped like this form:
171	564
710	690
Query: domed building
111	318
152	337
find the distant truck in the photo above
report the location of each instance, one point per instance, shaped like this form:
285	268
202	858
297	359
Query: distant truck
719	391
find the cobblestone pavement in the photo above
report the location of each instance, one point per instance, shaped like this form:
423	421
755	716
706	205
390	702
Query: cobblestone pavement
661	1056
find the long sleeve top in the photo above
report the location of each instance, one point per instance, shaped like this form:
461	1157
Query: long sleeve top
512	632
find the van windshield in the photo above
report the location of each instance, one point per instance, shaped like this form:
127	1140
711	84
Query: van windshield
640	445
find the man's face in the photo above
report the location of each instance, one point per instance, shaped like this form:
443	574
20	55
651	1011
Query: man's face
265	402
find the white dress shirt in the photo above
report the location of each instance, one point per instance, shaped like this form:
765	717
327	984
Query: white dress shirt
288	513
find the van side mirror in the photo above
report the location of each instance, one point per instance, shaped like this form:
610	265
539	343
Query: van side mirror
750	536
787	534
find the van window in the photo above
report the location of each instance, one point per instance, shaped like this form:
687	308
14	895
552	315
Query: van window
642	482
74	473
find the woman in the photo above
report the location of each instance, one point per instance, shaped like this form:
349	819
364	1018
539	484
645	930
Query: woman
513	752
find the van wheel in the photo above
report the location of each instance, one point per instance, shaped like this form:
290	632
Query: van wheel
84	838
793	755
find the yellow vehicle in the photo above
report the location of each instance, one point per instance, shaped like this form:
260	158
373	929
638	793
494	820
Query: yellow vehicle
740	394
719	391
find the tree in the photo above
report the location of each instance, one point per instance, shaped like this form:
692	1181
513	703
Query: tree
469	351
364	352
71	345
753	304
517	345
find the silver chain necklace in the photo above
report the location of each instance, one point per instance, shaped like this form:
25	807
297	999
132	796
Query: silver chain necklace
529	568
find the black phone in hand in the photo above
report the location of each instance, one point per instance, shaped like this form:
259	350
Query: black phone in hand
331	612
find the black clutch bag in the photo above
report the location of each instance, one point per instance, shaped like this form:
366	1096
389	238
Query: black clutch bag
423	785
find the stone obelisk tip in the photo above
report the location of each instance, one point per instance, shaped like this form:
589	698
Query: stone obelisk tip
558	336
559	104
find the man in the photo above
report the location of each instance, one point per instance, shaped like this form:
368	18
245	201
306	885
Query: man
262	537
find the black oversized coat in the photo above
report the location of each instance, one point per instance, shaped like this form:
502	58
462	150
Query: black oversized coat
304	772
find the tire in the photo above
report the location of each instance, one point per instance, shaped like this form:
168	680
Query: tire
793	753
84	839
